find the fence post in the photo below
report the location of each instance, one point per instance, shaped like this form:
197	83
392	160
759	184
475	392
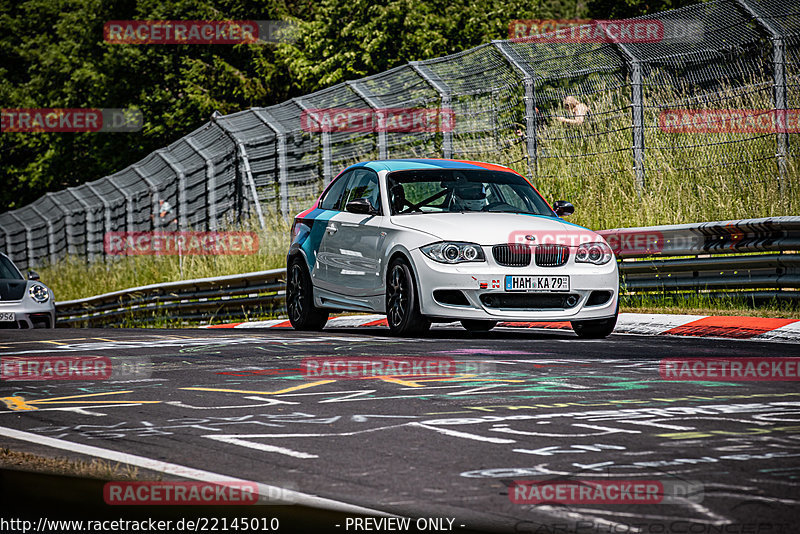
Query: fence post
128	204
778	88
247	170
439	85
211	185
326	147
177	168
637	108
106	213
51	235
283	173
521	65
377	106
29	259
6	242
154	197
68	222
91	223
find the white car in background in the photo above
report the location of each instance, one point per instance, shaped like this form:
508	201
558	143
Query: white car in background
441	240
24	303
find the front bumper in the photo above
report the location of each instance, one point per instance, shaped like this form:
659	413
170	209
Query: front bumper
437	279
29	315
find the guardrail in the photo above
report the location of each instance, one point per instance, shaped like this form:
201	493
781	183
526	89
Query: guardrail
205	299
755	259
758	259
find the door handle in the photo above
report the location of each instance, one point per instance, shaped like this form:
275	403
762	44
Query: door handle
331	229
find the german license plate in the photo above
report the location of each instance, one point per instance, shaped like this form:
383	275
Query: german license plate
537	283
8	316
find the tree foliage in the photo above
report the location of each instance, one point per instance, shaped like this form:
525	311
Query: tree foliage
52	55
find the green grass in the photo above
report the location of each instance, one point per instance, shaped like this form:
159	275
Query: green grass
700	304
74	278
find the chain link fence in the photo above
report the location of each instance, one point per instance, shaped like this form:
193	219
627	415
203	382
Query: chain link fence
506	97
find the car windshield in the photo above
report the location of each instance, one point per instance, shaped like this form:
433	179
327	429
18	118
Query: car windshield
457	190
8	271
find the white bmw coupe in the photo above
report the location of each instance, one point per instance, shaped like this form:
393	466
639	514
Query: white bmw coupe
428	240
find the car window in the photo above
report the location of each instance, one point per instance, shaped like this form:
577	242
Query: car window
8	271
457	190
506	194
362	184
334	193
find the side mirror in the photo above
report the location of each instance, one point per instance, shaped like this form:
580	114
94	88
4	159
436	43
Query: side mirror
563	208
362	206
33	275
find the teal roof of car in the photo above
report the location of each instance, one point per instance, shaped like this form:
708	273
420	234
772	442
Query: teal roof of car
407	164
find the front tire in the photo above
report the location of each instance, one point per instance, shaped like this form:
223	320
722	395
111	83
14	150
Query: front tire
402	304
597	329
478	325
300	298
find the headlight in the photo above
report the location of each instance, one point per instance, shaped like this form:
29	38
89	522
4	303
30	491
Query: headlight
597	253
39	293
453	252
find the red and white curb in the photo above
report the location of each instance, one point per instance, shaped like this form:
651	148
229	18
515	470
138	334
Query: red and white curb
653	324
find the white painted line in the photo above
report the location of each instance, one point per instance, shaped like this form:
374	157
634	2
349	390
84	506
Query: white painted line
262	447
466	435
293	497
261	324
646	324
652	323
789	332
352	320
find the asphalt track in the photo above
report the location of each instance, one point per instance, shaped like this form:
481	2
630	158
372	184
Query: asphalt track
521	405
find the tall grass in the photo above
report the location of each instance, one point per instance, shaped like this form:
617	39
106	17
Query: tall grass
73	277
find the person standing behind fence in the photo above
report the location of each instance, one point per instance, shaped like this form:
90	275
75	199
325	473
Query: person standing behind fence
164	214
579	110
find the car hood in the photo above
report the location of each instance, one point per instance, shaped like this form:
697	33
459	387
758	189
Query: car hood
496	228
11	289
